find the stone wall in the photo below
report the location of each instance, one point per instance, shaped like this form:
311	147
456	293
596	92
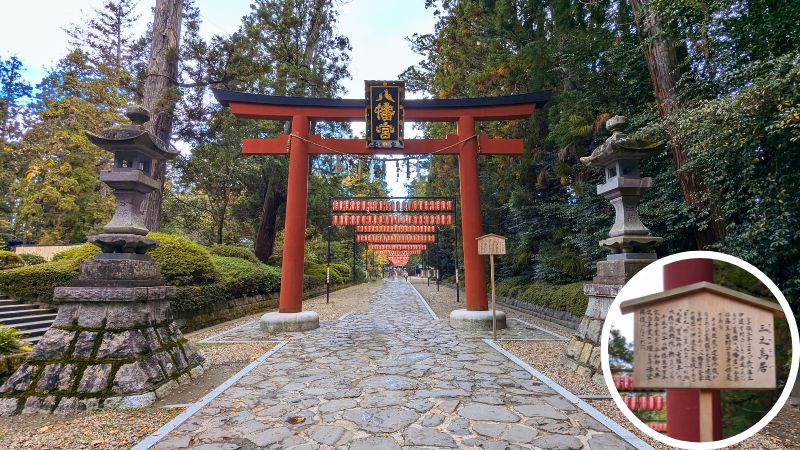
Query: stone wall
562	318
10	363
582	354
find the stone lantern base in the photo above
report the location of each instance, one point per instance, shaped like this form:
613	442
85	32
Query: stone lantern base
112	344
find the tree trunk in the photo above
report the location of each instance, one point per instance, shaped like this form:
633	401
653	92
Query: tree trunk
268	223
660	52
160	91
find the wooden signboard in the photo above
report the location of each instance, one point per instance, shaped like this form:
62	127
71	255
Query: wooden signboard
491	244
703	336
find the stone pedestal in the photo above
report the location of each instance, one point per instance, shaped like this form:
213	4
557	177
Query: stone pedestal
112	344
582	354
463	319
278	322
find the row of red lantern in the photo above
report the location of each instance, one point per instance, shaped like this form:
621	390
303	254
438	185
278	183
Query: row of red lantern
623	382
661	427
393	254
392	205
395	238
396	229
644	403
397	246
375	219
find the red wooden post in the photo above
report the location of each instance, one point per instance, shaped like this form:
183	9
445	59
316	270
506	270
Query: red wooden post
683	405
291	296
471	226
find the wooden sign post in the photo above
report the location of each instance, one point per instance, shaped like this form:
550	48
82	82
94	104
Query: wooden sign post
492	244
703	336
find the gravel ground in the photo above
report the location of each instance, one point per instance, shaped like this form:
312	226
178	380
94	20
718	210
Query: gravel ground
545	356
111	429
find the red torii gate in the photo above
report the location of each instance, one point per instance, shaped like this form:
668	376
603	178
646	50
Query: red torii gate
300	143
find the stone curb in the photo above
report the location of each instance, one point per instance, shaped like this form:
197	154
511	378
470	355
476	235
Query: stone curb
423	302
159	434
616	428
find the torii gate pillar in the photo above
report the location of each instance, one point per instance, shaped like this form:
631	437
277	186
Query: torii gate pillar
477	315
290	315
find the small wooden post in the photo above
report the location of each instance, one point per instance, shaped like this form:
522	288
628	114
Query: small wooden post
494	311
706	415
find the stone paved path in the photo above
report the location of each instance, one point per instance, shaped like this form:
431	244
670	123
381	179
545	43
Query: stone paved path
389	378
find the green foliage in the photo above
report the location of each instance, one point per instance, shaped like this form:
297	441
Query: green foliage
79	253
235	251
344	270
620	352
9	260
10	340
31	259
314	276
564	297
36	283
238	278
183	262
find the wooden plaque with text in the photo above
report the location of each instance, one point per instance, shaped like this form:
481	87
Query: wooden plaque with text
491	244
703	336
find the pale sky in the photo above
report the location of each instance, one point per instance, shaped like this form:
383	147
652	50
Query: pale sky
33	31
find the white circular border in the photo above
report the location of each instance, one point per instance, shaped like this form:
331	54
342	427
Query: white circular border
660	263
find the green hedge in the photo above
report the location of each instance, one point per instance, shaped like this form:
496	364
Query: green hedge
237	278
344	270
36	283
31	259
80	253
563	297
235	251
183	262
10	260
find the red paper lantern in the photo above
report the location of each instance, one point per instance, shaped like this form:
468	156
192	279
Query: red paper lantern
658	403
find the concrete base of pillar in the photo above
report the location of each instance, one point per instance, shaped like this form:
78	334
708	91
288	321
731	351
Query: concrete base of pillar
277	322
476	320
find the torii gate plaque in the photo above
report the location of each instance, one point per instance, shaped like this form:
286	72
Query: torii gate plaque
300	143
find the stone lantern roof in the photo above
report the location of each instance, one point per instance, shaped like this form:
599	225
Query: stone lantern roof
133	137
620	145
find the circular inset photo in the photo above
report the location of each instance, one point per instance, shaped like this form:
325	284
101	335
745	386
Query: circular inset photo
699	350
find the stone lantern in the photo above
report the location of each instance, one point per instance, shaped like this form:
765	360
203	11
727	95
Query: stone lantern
620	157
113	342
630	243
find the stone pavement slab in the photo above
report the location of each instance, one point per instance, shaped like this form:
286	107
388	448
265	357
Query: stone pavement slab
392	377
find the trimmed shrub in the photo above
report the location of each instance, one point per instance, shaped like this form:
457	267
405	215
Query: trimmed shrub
344	270
9	260
235	251
237	278
183	262
30	259
10	341
562	297
80	253
336	277
36	283
314	276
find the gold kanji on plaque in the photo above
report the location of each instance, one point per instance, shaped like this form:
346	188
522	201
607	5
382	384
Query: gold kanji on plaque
384	114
